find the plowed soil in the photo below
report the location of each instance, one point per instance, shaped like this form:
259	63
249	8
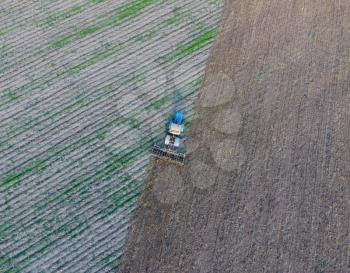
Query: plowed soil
266	187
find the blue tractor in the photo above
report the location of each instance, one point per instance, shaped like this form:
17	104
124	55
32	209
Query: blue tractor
173	141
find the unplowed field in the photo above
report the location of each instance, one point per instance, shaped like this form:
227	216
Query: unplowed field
86	87
267	184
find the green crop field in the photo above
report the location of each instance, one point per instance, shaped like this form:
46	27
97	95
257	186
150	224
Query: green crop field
86	88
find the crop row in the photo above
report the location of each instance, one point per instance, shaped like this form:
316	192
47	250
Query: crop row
108	171
85	90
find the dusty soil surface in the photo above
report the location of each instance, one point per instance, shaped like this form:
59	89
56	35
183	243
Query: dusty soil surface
267	184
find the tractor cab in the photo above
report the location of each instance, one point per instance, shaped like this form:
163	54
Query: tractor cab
176	126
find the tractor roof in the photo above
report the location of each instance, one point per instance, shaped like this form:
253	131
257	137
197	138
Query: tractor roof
178	118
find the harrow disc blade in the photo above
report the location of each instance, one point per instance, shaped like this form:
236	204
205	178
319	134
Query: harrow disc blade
168	155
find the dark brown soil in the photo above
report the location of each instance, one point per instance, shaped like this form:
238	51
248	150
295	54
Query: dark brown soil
266	187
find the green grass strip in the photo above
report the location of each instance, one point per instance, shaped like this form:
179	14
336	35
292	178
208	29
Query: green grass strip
195	45
53	18
56	17
15	179
72	231
109	52
129	11
120	161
